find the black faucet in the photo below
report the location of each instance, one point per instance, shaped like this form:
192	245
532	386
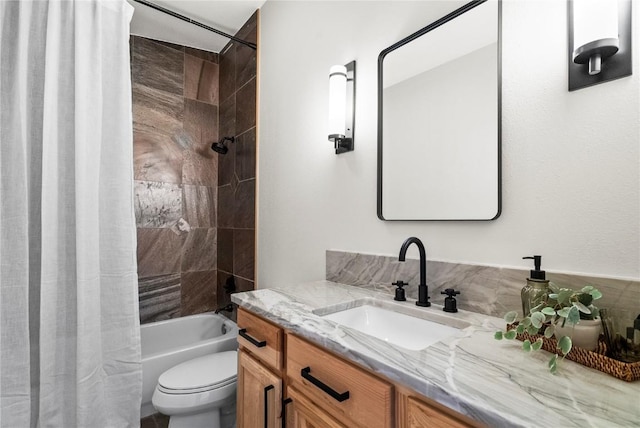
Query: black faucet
423	290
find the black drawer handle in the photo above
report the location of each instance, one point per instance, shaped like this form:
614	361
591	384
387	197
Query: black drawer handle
284	411
338	396
254	342
266	405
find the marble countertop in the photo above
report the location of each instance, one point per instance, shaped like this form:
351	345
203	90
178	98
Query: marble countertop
491	381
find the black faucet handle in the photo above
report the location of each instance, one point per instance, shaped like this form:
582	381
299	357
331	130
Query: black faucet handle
450	304
450	292
400	295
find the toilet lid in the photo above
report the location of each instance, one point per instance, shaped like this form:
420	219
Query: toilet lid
202	372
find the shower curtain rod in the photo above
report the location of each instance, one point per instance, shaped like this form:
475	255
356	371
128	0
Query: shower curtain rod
199	24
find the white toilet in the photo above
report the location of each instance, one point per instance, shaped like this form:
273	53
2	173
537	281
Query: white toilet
199	393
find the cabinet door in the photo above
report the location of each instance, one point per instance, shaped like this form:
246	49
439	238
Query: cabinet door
259	395
302	413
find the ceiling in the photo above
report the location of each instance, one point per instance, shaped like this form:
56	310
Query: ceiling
223	15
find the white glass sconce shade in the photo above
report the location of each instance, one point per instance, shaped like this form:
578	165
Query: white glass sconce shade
595	32
342	98
337	101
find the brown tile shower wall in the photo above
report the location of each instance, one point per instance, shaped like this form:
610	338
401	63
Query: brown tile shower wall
175	120
237	169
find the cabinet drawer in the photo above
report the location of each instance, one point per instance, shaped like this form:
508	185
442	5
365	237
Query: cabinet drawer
420	412
343	390
261	338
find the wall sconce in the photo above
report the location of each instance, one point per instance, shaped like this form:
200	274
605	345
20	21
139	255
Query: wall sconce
342	105
599	41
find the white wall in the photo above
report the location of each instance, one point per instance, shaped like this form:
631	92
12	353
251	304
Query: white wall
571	161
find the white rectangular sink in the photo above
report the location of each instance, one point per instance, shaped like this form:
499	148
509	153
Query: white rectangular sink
403	330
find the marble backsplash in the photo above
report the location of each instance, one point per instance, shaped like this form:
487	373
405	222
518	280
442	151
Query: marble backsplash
483	289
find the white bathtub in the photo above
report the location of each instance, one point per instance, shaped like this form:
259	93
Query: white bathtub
170	342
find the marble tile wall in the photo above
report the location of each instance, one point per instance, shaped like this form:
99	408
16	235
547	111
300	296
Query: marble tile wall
175	120
484	289
237	169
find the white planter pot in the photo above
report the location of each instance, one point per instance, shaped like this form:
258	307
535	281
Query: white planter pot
584	334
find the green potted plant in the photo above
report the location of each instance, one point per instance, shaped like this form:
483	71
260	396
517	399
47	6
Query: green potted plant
568	314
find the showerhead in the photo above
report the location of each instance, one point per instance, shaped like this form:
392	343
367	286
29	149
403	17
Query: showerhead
220	147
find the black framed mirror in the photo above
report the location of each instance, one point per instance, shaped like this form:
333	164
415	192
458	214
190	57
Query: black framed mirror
439	119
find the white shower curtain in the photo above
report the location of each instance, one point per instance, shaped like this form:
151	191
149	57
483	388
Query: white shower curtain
69	329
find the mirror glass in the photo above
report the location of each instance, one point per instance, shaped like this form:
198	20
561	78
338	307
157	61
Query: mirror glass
439	119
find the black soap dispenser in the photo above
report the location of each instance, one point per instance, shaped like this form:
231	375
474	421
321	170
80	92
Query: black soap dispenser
537	288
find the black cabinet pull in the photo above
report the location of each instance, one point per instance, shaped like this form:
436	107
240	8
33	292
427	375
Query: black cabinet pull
284	411
338	396
266	405
254	342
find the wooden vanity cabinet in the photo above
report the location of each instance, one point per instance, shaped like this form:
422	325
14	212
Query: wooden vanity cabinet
284	380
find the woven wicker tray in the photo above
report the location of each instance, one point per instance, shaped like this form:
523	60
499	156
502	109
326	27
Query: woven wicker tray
594	359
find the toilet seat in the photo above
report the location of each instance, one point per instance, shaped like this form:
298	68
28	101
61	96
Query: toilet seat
207	373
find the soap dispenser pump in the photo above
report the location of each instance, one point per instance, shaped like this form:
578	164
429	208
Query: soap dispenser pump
537	288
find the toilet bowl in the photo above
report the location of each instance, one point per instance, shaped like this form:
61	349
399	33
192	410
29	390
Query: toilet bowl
199	392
